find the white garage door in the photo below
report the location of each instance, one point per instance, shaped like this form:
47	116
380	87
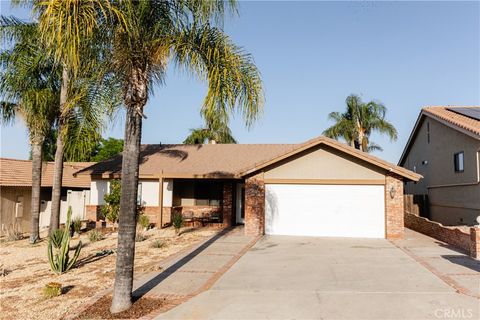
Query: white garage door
325	210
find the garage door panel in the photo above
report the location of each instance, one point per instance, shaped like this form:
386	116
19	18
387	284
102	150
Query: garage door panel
325	210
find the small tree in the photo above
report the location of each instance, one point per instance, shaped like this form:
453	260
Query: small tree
112	201
177	222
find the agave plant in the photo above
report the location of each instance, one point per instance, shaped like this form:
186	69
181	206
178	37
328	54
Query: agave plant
59	247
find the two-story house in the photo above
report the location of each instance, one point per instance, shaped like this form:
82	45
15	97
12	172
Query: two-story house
444	147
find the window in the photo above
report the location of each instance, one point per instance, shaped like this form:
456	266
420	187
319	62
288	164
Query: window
458	161
139	195
208	193
19	207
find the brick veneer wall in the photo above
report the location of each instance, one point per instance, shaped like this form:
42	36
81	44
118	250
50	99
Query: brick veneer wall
475	242
93	212
255	205
152	213
227	209
466	239
394	207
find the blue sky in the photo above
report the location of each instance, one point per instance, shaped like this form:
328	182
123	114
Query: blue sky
312	55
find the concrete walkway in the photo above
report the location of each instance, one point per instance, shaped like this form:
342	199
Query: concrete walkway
329	278
196	269
453	266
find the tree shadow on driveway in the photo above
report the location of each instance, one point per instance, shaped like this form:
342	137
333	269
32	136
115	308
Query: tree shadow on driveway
152	283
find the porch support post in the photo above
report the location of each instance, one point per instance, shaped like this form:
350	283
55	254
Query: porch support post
255	205
160	204
227	207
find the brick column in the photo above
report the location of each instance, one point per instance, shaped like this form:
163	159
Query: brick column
394	212
93	212
475	242
227	204
255	205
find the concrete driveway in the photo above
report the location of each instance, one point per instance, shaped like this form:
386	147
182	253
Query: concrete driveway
327	278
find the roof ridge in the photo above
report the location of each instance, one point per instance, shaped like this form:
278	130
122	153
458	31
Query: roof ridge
450	106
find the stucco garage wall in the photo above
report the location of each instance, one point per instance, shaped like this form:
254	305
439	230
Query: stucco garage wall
324	163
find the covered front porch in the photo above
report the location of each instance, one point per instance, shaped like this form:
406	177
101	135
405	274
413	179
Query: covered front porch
213	202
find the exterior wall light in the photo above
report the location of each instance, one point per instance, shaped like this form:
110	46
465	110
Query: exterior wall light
392	192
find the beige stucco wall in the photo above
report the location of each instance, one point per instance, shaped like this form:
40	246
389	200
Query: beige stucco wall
451	203
324	163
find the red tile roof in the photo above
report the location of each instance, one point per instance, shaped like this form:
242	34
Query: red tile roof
454	118
14	172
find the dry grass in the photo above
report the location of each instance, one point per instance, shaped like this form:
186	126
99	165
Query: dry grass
21	289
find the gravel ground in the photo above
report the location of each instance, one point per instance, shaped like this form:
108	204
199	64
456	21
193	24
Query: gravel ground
27	271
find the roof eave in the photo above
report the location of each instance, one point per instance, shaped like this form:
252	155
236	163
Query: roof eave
405	173
425	113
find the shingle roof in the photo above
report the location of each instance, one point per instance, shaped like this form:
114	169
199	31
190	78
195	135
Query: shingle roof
454	118
224	160
15	172
194	160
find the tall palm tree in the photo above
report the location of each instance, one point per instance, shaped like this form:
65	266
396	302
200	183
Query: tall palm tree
67	27
215	131
146	36
29	88
356	124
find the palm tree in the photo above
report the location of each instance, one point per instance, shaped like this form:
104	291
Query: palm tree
146	36
29	87
356	124
67	27
215	131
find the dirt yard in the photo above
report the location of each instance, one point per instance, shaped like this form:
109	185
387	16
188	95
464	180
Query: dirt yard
26	271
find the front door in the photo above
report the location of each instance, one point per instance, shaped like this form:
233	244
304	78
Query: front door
240	198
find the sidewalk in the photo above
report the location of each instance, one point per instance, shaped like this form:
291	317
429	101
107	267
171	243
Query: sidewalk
451	265
192	272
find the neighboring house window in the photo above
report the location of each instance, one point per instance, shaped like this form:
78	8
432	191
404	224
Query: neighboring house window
428	132
458	159
19	207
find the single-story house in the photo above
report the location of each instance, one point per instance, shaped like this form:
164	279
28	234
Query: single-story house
444	147
317	188
16	193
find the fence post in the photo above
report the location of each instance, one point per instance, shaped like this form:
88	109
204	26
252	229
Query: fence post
475	242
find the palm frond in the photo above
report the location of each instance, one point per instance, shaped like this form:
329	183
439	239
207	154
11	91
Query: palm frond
232	78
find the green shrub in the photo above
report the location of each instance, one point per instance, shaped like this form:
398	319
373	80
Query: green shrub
143	221
139	237
59	247
52	289
112	201
95	235
177	222
77	225
157	244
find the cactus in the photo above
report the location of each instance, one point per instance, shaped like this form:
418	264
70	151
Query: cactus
59	247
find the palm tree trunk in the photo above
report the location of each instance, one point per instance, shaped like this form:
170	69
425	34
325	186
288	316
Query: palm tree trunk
58	167
36	188
361	140
122	290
